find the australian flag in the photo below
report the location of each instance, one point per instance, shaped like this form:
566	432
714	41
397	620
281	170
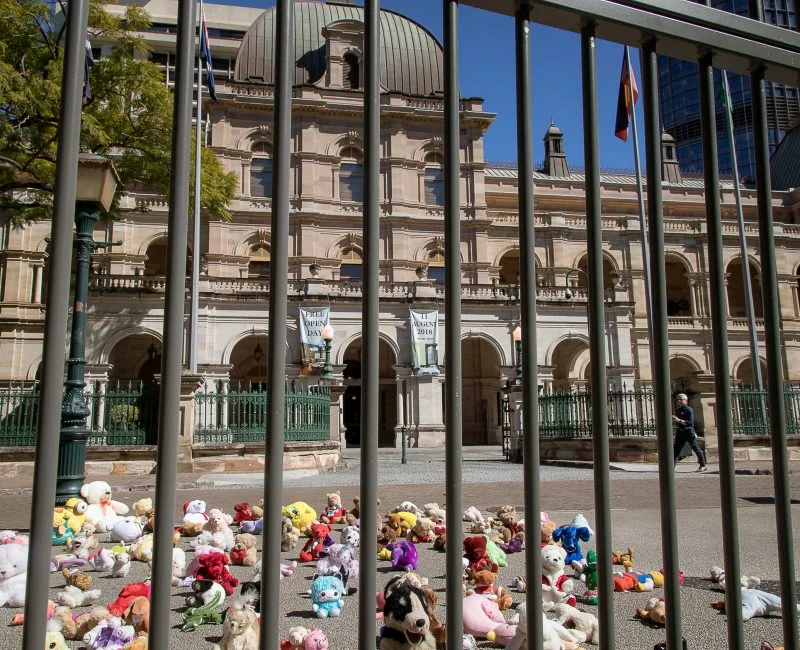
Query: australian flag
88	62
205	56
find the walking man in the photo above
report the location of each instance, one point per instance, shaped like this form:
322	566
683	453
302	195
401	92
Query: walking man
684	431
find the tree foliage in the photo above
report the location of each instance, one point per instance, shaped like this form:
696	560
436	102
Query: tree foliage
129	117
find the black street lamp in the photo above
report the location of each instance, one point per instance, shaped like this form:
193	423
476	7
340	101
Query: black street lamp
327	336
97	183
517	336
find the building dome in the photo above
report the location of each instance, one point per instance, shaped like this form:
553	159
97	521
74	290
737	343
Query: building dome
411	57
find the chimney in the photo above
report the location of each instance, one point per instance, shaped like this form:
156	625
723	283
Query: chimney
670	169
555	160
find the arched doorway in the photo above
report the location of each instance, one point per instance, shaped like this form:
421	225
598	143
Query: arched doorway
744	373
570	364
249	361
135	358
736	293
387	397
481	391
678	293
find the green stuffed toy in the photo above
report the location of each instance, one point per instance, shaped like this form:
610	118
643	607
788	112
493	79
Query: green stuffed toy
194	617
496	554
589	576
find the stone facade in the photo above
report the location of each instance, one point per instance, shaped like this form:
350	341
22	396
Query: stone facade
127	285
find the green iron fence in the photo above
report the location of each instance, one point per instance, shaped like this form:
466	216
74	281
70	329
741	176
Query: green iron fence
751	415
122	413
568	414
240	415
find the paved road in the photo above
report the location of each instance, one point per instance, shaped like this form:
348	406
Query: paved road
488	484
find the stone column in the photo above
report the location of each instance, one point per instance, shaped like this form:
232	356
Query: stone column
190	384
402	378
97	375
706	411
37	283
337	389
427	429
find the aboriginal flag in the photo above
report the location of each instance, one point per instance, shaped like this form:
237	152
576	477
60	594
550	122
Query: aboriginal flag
624	107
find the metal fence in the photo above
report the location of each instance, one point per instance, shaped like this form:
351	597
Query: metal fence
240	415
688	30
751	413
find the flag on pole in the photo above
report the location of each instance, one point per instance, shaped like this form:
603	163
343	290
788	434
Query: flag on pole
205	56
624	107
88	62
724	94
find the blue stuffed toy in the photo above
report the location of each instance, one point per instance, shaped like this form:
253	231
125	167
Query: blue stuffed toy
570	538
326	594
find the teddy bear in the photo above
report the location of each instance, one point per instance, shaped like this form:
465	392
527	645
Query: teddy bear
572	618
54	639
145	513
554	635
472	514
354	515
139	643
755	603
440	542
243	512
510	526
334	512
142	549
102	511
137	614
570	537
178	566
78	579
244	552
214	566
422	531
74	627
547	533
295	639
326	596
81	544
289	535
398	523
475	552
73	597
435	512
240	631
623	558
217	532
320	534
485	584
556	586
654	611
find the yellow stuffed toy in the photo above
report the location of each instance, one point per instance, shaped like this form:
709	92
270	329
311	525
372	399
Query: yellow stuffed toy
75	513
302	516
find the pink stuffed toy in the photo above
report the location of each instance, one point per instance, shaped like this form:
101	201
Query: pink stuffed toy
316	640
482	618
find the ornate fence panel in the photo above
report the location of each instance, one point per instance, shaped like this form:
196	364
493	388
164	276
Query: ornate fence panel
19	415
240	415
751	414
126	413
568	414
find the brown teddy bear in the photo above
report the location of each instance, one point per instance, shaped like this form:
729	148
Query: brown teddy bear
79	579
422	531
398	524
334	512
386	536
655	611
74	629
547	533
289	535
244	552
137	613
484	584
440	543
355	514
510	523
258	510
622	558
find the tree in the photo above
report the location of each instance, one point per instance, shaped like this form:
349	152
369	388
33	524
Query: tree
129	117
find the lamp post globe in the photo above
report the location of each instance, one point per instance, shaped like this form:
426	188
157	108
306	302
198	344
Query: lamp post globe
517	336
97	184
327	336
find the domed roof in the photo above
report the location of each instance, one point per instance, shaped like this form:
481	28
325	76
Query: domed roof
553	130
411	57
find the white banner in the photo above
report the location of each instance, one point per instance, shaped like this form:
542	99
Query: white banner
425	340
312	320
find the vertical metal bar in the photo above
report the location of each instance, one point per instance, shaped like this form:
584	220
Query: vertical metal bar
597	353
55	325
530	370
660	343
195	295
174	305
719	341
278	308
370	369
453	383
772	341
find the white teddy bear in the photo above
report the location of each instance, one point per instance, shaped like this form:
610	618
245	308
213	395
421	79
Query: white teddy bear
556	587
101	512
13	574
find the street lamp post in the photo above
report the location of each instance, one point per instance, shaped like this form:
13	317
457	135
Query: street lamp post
327	336
567	290
517	336
97	183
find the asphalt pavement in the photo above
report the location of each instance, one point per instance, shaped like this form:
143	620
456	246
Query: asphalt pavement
488	483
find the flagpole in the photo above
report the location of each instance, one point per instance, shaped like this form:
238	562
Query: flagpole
640	195
195	297
748	288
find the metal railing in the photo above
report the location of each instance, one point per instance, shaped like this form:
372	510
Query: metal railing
751	412
688	30
240	415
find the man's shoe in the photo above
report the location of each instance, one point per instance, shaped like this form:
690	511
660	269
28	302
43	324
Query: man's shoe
702	468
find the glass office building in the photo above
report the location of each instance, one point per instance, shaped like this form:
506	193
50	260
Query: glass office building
680	101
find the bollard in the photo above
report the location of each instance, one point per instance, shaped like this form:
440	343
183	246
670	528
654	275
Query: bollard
403	459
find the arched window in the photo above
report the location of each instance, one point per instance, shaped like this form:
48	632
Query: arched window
261	170
434	179
678	296
351	175
351	268
258	267
736	290
581	278
436	266
350	72
509	267
156	258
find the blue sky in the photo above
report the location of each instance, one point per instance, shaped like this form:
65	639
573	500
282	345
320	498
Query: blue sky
487	70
